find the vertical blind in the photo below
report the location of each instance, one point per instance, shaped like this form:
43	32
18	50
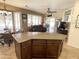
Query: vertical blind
6	20
2	25
34	20
17	19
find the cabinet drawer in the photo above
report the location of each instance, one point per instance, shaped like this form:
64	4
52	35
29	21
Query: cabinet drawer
38	42
54	41
27	43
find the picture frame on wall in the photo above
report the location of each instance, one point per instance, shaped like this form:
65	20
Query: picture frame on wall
24	16
77	22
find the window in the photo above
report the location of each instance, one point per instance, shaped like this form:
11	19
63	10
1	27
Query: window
34	20
9	21
6	20
29	20
40	20
2	24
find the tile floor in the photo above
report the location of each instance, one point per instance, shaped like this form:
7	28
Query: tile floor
67	53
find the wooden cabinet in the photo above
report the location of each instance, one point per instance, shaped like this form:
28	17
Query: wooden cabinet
39	48
53	48
26	50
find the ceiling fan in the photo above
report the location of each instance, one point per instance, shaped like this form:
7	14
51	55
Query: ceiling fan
49	12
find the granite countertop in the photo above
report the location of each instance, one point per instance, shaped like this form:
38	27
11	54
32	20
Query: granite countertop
21	37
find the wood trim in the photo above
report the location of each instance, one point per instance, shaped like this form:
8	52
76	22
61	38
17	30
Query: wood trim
13	22
17	9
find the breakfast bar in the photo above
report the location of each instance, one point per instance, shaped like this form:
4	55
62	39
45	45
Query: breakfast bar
38	45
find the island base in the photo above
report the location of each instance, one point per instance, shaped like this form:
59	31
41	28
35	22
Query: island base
39	49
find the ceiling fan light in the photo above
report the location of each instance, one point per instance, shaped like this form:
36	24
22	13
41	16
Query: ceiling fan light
49	15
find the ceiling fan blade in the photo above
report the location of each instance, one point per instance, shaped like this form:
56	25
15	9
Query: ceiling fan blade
49	11
53	11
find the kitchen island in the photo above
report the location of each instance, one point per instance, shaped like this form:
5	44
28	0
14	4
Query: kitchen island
34	45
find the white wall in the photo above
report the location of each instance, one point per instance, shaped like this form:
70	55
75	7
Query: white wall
73	39
59	14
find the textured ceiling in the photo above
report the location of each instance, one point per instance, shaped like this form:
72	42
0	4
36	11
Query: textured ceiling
42	5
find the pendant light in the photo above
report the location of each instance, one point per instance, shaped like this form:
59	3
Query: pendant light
5	14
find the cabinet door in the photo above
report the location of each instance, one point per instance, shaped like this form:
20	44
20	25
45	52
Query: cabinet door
18	50
26	50
52	48
38	48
